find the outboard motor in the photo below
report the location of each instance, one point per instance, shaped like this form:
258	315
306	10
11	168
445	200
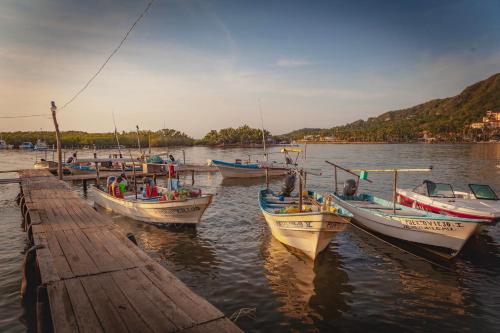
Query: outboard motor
289	186
350	188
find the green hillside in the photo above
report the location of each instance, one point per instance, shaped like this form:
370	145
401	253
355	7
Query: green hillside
447	119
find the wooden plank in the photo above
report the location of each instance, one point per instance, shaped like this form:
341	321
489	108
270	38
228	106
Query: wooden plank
46	265
103	260
127	312
221	325
60	262
121	248
148	311
112	246
199	309
85	316
79	261
107	314
63	317
178	317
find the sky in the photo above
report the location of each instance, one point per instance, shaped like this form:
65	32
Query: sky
200	65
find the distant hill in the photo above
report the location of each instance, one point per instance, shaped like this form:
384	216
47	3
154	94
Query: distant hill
446	118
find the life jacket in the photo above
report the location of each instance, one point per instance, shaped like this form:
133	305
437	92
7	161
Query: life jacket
151	191
116	192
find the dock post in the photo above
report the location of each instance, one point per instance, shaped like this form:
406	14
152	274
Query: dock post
192	177
53	109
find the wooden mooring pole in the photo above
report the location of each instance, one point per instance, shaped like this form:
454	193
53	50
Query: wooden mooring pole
53	109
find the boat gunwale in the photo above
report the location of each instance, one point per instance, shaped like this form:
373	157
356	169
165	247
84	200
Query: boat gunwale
426	216
264	210
190	201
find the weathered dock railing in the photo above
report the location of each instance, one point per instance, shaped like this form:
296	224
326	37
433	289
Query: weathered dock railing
88	277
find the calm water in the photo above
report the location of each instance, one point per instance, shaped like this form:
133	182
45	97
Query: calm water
360	283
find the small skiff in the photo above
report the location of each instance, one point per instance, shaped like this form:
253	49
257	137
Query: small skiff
444	233
153	210
308	231
480	203
249	170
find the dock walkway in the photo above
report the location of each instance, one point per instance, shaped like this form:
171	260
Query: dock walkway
93	279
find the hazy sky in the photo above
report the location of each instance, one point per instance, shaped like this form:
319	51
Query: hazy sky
201	65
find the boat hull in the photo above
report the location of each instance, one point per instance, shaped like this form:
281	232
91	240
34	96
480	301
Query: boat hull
440	233
159	212
453	208
309	232
234	172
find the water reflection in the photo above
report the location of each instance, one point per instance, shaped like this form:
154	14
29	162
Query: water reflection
247	182
178	247
307	291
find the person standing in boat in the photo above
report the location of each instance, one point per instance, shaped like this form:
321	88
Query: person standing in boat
115	188
124	180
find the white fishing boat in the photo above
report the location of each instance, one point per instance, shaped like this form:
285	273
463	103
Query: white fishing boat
3	144
445	235
309	229
247	169
480	203
41	145
155	210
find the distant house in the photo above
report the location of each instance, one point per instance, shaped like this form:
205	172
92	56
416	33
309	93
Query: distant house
490	120
477	125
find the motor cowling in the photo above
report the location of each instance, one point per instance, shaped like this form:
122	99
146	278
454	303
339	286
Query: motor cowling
350	187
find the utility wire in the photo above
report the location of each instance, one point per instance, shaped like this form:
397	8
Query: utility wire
23	116
149	4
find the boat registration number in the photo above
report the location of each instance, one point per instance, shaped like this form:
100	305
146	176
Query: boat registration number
431	225
307	225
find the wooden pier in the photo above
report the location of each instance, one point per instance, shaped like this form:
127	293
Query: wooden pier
88	277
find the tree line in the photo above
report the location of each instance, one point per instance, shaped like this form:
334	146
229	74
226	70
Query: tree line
165	137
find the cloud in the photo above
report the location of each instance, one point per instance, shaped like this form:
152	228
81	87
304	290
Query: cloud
289	62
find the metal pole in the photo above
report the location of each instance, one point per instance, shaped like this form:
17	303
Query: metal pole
335	178
96	172
395	193
300	191
133	173
53	109
267	177
149	141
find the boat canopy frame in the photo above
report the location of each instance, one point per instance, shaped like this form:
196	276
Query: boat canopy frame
363	174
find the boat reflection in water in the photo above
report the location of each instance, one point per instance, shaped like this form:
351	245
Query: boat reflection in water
180	249
420	288
309	292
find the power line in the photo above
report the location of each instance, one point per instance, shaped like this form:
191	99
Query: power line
23	116
150	3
